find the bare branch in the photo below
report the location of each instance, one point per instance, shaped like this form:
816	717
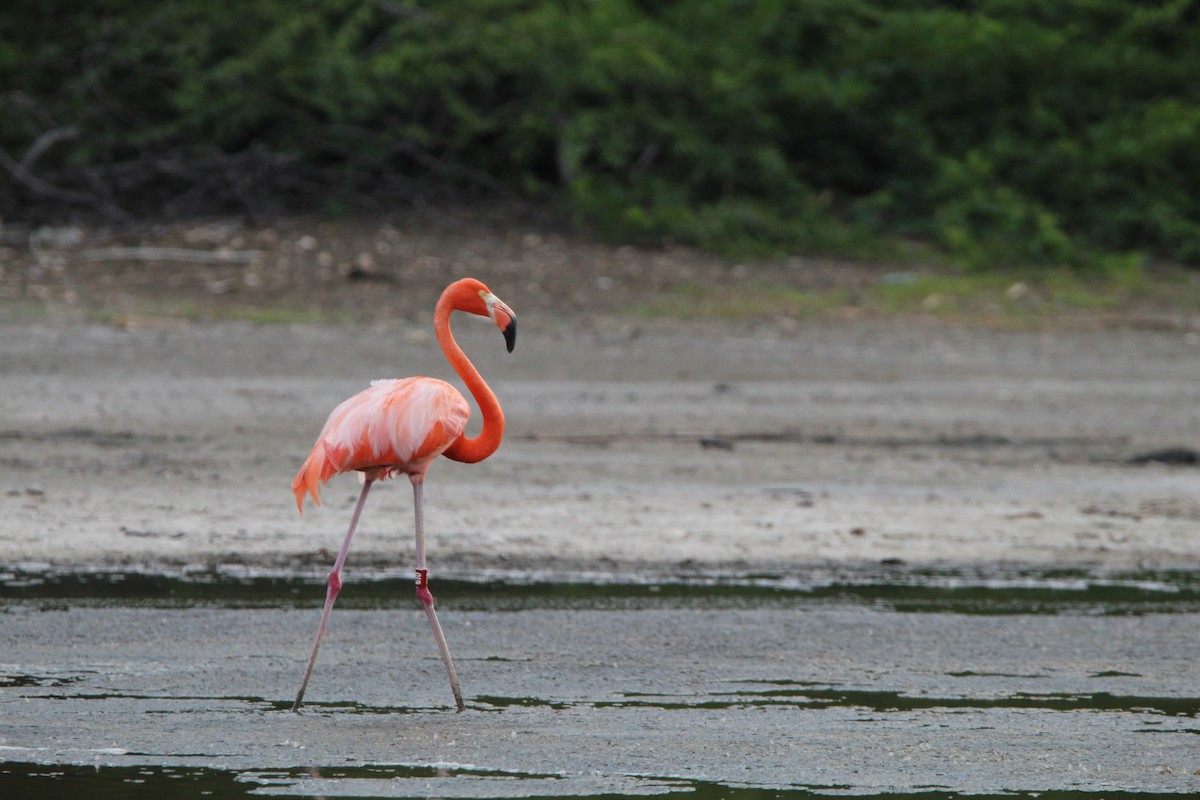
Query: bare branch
443	167
37	185
46	189
46	141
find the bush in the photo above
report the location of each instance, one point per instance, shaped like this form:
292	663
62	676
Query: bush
1006	131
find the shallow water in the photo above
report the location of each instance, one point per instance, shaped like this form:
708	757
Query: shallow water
870	683
926	591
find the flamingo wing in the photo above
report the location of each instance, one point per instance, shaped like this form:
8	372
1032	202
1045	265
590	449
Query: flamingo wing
395	425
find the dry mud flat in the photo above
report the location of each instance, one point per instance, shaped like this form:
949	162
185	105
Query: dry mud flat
642	449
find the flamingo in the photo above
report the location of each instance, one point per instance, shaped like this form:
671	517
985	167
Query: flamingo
401	426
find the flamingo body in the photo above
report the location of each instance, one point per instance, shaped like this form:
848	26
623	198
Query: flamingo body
394	426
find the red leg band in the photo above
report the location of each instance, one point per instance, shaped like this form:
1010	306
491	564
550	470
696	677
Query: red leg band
423	593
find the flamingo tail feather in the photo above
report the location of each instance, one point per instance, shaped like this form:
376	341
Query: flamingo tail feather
315	471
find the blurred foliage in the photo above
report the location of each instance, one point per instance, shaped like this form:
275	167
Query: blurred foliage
1006	132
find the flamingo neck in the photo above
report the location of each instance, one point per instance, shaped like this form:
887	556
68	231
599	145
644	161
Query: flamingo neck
483	445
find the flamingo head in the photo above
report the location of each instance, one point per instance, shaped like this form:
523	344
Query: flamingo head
473	297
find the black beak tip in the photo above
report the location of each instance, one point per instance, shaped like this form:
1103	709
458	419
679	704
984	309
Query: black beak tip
510	335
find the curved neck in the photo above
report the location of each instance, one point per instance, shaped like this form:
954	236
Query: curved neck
483	445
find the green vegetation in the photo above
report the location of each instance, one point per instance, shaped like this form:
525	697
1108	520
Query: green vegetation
1029	298
755	300
1003	132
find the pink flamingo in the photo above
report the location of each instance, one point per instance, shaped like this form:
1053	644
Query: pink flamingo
400	426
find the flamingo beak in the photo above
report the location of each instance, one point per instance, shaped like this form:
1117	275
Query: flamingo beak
504	318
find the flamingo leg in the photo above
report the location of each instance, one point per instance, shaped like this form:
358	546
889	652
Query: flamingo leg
426	597
331	593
